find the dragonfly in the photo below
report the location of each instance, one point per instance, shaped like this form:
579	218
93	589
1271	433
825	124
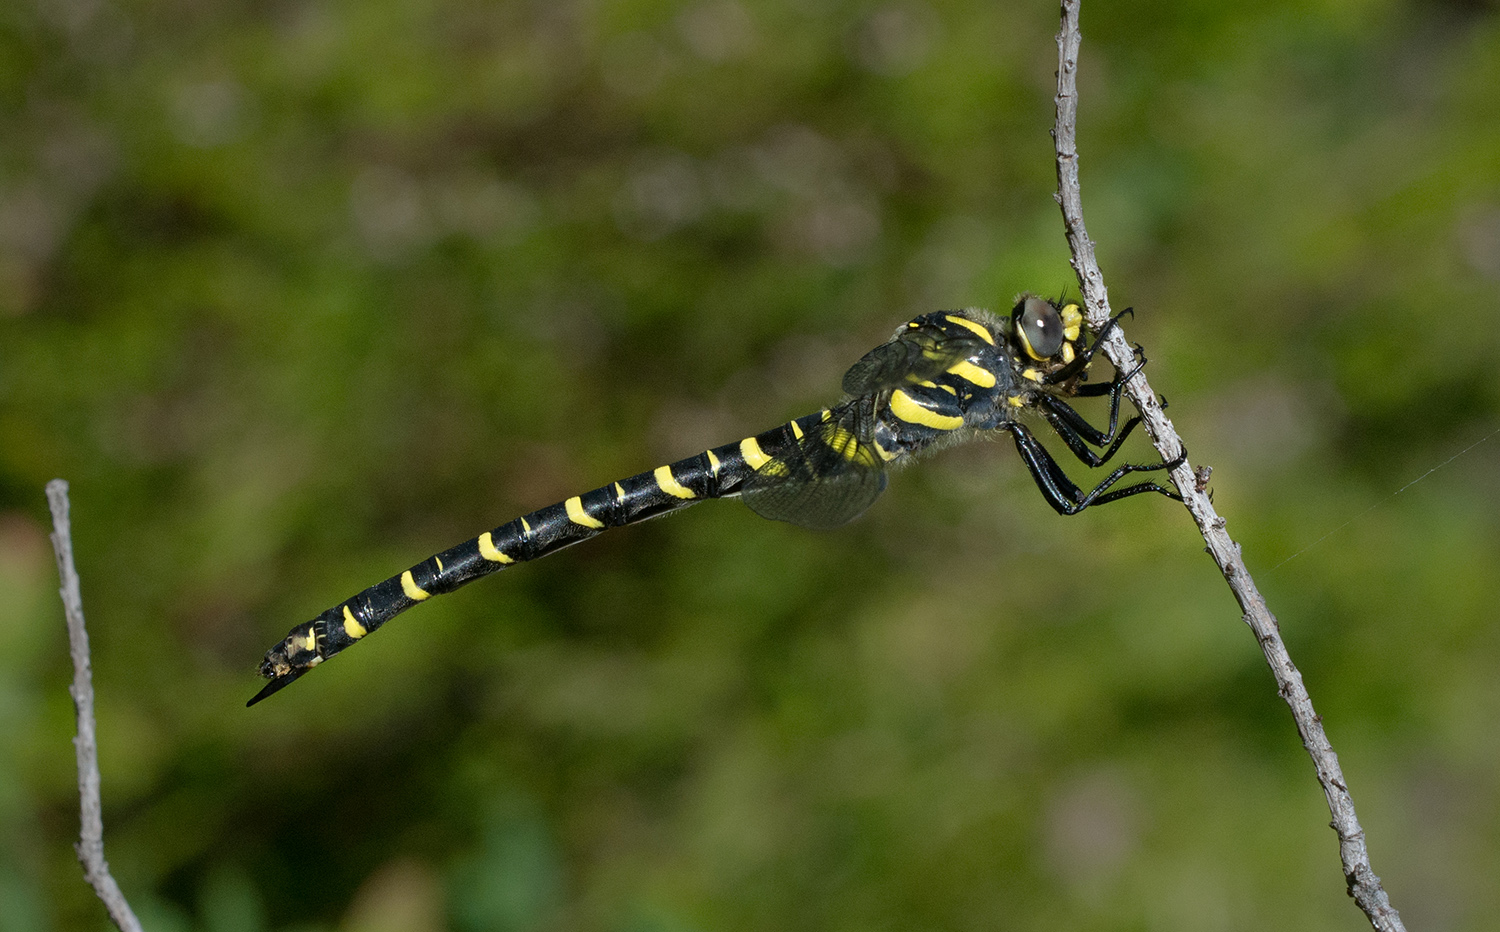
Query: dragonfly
941	378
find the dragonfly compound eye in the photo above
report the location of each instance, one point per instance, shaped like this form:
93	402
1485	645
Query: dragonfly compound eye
1039	327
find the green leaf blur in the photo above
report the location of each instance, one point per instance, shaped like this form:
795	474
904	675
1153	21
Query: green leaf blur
296	293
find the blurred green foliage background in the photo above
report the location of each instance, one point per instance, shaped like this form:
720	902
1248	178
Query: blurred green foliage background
297	292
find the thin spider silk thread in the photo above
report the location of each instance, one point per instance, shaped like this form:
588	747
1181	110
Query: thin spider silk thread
1386	499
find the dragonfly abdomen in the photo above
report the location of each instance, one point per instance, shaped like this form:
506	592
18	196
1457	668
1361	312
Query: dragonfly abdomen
711	474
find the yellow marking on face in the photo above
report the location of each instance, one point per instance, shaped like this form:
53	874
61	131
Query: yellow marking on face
1067	353
978	328
969	372
713	463
352	627
904	407
1072	320
751	451
669	484
1032	374
410	587
488	550
796	429
578	516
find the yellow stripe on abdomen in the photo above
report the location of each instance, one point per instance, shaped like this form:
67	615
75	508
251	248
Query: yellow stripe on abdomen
490	552
904	407
753	454
352	627
578	516
669	484
413	591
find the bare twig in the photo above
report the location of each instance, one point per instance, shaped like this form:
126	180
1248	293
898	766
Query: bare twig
91	830
1364	886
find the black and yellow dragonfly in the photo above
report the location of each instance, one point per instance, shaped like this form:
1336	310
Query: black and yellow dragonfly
942	377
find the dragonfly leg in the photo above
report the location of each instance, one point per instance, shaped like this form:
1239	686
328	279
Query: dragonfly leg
1078	433
1067	498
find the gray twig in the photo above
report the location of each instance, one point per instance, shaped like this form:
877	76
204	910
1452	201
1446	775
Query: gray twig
90	846
1363	885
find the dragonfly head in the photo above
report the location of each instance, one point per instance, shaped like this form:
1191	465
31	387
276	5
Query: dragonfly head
1047	332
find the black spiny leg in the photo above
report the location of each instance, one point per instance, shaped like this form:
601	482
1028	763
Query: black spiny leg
1077	432
1067	498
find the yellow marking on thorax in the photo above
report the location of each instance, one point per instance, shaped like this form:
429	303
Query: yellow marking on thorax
410	587
352	627
309	642
1072	319
1032	374
525	526
796	429
669	484
578	516
887	455
751	451
619	492
1067	353
1016	401
845	444
969	372
439	562
488	550
981	329
904	407
713	463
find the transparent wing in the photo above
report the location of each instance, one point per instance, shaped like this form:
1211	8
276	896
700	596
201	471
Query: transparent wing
913	355
828	479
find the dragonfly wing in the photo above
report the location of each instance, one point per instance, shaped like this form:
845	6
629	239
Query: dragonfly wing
829	478
914	355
